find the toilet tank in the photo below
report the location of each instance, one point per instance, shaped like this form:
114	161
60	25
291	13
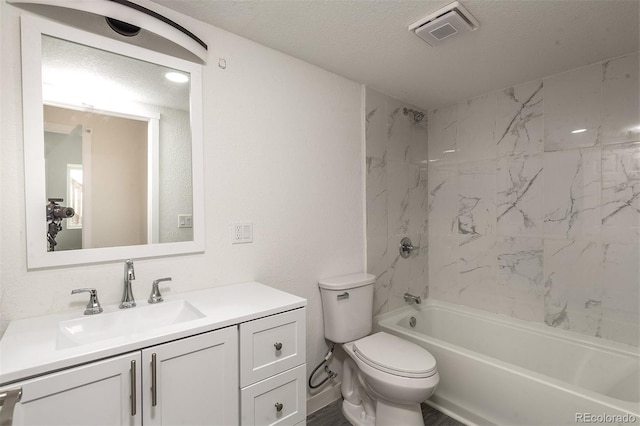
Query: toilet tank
347	306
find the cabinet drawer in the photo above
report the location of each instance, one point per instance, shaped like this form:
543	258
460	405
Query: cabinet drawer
260	401
271	345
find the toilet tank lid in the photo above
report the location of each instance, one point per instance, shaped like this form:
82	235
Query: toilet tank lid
344	282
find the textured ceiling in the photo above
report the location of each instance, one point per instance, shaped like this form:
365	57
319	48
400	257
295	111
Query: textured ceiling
74	73
367	40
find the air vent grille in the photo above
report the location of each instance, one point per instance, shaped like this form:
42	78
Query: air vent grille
451	20
444	31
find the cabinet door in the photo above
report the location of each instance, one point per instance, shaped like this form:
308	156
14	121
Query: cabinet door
99	393
192	381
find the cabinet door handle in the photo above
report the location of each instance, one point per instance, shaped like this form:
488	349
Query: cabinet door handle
134	403
277	345
154	381
8	402
279	407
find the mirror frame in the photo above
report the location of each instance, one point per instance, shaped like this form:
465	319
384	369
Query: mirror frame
32	29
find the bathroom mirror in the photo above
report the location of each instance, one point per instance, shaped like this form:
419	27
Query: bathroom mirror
109	135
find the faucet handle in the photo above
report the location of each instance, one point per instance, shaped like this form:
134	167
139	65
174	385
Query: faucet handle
155	296
93	307
406	247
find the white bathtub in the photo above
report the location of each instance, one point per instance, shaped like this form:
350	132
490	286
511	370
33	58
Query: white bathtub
498	370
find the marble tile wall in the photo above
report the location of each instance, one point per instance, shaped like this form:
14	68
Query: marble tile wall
526	218
396	155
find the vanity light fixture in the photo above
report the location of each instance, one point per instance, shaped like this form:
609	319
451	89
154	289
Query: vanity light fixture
127	18
579	131
177	77
123	28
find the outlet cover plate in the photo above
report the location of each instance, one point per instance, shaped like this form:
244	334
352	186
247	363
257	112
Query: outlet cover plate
241	232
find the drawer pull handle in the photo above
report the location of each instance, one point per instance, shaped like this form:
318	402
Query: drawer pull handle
154	380
8	402
279	407
278	347
134	403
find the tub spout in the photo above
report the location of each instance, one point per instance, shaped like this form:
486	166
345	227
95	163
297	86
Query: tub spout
410	298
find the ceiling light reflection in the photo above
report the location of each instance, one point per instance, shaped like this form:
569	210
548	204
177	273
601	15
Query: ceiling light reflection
177	77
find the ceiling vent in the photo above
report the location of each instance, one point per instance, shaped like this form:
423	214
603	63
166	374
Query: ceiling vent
449	21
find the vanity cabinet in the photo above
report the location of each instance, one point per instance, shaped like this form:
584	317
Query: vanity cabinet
98	393
238	360
273	370
190	381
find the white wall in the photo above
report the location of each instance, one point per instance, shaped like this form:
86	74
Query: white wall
282	149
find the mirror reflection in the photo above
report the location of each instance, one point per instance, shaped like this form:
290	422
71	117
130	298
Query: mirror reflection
117	148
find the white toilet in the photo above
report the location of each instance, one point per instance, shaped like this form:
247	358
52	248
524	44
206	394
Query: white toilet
385	378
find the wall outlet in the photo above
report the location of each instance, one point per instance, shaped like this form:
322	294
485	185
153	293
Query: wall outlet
241	232
185	221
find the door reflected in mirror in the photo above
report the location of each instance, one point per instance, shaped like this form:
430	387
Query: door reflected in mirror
108	156
118	128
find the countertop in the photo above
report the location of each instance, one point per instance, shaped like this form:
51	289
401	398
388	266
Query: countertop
28	347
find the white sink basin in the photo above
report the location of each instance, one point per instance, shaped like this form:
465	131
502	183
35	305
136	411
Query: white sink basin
124	322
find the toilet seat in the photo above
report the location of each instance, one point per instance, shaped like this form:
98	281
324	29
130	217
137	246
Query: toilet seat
393	355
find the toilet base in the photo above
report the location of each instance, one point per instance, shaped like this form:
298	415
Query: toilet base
387	414
356	415
390	414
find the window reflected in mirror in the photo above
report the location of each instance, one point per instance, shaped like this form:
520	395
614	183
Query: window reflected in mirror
74	195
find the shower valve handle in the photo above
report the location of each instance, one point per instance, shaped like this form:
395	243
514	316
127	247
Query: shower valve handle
406	247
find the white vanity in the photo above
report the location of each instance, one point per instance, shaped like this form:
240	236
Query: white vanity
230	355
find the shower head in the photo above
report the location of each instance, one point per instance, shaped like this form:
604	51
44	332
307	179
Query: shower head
417	115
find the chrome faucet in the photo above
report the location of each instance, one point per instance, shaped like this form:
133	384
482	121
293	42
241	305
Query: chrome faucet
410	298
129	275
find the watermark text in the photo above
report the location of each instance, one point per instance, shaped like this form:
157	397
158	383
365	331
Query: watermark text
605	418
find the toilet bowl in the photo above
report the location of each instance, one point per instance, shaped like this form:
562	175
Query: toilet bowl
385	378
394	373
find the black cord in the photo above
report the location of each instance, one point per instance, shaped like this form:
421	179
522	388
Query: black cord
330	374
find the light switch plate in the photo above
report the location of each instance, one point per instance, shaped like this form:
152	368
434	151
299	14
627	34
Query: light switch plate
185	221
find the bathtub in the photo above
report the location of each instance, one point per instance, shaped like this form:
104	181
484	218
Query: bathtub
499	370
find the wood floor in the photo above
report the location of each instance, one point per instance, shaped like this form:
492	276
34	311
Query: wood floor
331	415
